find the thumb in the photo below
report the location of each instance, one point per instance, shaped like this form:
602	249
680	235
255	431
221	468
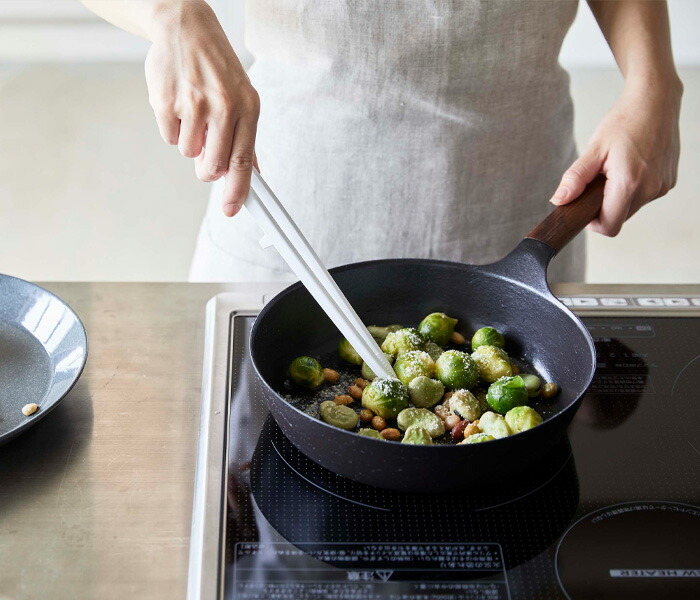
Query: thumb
577	177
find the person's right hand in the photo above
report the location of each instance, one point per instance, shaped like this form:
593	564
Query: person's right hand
202	98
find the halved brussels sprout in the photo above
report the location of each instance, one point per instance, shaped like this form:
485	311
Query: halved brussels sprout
465	405
380	333
437	327
368	373
348	353
477	438
417	435
532	384
385	397
433	349
494	425
521	418
457	370
371	433
306	372
410	365
487	336
493	363
507	393
338	415
425	392
421	417
403	340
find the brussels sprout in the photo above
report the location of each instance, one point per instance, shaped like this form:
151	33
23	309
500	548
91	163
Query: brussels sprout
425	392
417	435
338	415
507	393
437	327
421	417
348	353
410	365
487	336
521	418
532	384
433	349
403	340
368	373
492	362
477	438
494	425
306	372
380	333
371	433
385	397
457	370
465	405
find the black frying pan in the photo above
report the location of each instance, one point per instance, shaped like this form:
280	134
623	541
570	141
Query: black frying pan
511	295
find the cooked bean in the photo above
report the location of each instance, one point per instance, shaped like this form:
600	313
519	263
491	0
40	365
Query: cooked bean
457	338
379	423
355	391
451	421
366	415
361	383
390	433
330	375
457	432
343	399
549	390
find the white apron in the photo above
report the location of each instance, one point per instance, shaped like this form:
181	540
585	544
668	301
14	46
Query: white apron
403	128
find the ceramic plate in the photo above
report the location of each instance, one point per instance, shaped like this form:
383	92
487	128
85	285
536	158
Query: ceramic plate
43	349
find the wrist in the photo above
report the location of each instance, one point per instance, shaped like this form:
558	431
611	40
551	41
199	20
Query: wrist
165	16
661	82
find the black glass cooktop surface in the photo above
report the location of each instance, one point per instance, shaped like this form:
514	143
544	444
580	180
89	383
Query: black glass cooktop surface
611	513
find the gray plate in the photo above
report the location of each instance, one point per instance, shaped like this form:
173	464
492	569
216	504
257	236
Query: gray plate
43	349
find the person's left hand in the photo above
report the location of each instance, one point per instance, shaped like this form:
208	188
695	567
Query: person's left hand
636	146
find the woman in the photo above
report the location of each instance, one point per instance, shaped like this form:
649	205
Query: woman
405	128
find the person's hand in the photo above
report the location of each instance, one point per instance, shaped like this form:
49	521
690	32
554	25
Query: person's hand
202	97
636	146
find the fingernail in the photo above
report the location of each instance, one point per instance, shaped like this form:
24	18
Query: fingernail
230	210
560	195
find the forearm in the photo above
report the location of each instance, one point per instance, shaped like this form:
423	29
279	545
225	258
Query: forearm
145	18
639	36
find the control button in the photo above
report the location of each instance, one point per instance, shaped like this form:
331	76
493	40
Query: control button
566	301
650	301
585	301
695	301
676	302
614	302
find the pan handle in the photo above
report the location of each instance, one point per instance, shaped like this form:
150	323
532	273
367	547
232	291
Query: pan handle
564	223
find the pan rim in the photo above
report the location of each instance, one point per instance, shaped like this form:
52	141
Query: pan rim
436	262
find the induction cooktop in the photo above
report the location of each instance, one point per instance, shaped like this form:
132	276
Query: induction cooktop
613	511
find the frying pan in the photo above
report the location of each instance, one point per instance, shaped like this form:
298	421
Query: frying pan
511	295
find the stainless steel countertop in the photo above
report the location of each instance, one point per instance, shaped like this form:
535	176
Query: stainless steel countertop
96	500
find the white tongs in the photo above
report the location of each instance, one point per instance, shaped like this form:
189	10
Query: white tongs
282	233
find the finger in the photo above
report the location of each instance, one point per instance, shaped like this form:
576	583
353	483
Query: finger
577	177
240	165
213	162
618	196
191	140
169	126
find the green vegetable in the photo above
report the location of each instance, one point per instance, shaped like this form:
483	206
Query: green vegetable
403	340
348	353
371	433
433	349
477	438
481	397
338	415
385	397
306	372
368	373
465	405
521	418
487	336
532	385
380	333
457	370
493	363
493	424
507	393
421	417
410	365
437	327
417	435
425	392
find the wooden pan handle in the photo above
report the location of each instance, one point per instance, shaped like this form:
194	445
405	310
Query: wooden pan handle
564	223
